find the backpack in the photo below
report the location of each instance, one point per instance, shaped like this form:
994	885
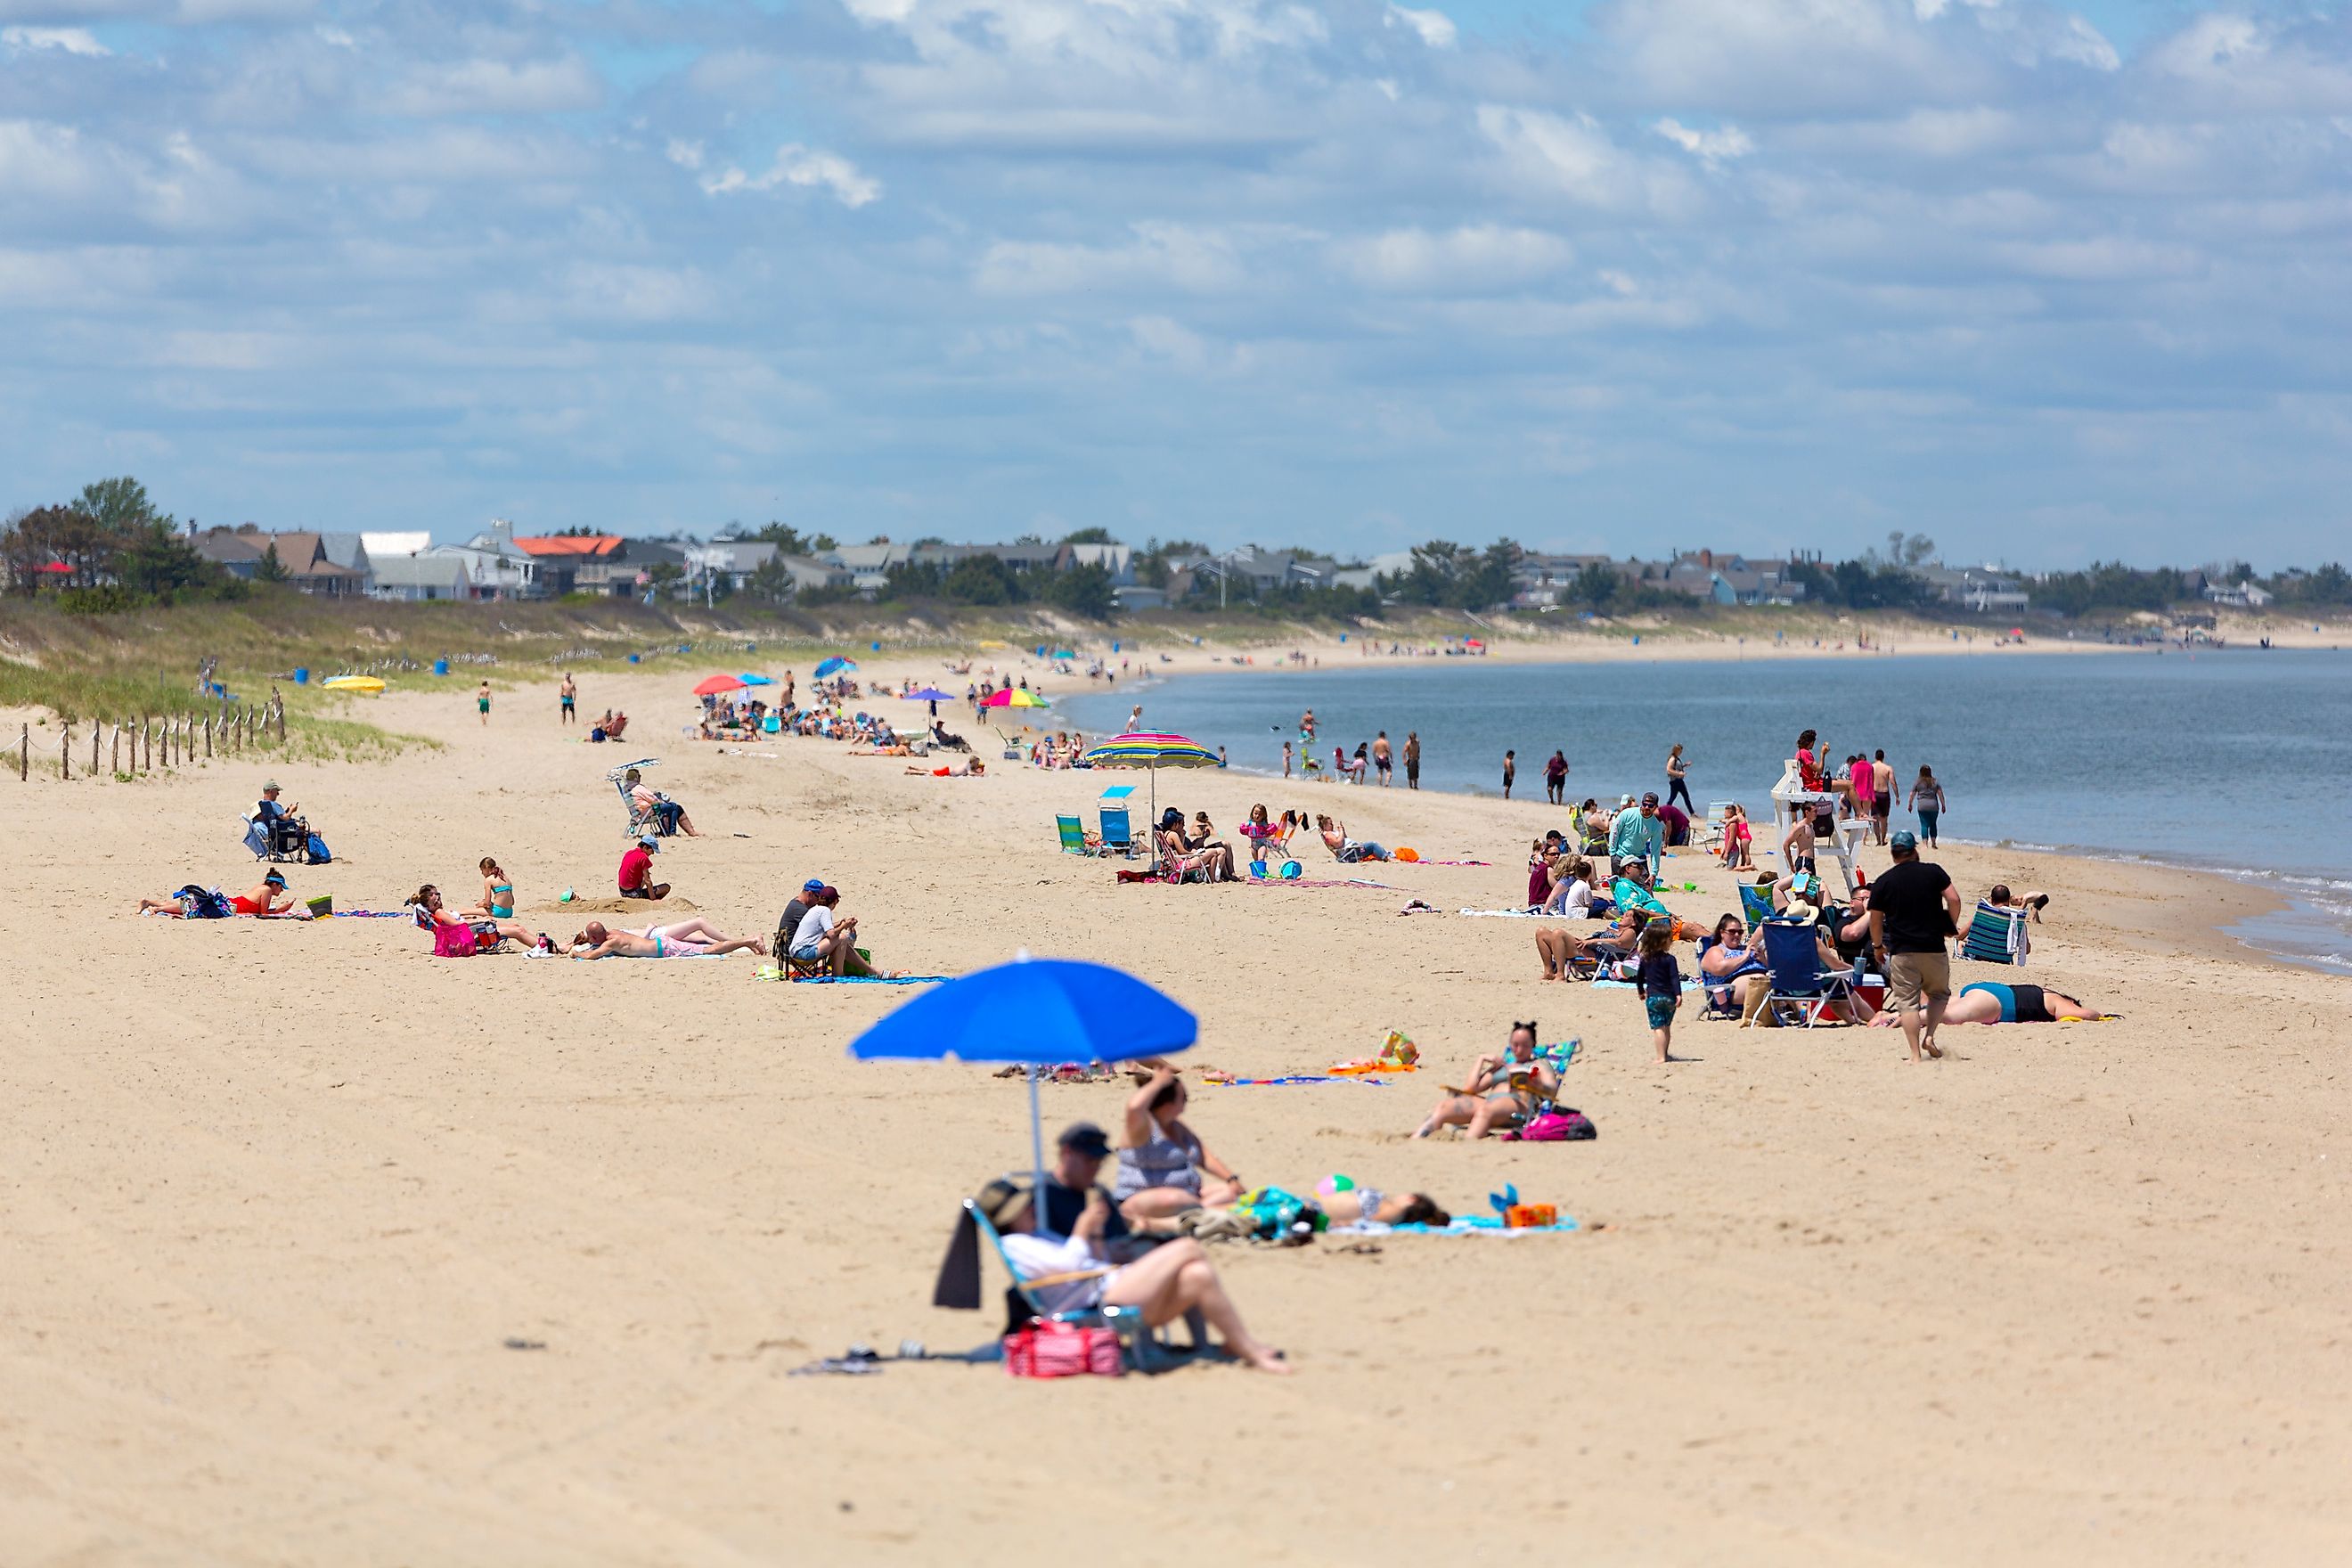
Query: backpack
1561	1126
316	851
1274	1215
203	903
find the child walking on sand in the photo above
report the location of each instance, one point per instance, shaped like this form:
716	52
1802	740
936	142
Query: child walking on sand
1659	983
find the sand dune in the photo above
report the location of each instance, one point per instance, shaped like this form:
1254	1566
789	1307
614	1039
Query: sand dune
278	1195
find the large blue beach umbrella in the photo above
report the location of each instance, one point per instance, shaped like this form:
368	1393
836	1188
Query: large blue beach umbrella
1037	1013
826	667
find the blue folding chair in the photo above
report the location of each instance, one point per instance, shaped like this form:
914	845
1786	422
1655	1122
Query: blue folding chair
1798	979
1118	833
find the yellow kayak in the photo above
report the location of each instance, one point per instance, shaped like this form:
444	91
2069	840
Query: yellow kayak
367	683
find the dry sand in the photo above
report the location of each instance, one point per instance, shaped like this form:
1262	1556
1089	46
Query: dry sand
276	1195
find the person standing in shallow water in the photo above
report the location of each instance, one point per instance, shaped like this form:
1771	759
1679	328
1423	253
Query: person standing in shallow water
1510	772
1556	779
1413	759
1382	759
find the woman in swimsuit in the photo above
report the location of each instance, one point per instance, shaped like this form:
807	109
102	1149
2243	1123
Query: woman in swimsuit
1165	1170
1678	780
1362	1205
262	899
489	931
498	894
1526	1080
1985	1002
1927	800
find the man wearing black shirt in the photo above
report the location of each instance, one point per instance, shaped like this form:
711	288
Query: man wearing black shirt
1913	908
791	923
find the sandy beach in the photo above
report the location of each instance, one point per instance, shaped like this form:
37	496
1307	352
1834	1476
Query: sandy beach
278	1195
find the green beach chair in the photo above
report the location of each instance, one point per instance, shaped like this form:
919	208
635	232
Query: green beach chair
1073	834
1996	935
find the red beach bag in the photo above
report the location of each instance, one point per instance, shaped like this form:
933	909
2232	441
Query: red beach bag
1042	1347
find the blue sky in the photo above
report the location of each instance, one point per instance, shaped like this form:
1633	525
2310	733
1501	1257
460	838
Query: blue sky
2046	282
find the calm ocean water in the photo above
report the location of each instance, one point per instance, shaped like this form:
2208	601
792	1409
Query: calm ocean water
2237	760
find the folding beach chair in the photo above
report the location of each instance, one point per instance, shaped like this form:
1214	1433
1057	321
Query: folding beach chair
1996	935
1144	1352
1717	1005
1756	906
1798	979
1073	834
1117	832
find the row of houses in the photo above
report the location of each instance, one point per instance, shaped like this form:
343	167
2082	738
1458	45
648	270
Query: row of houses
497	563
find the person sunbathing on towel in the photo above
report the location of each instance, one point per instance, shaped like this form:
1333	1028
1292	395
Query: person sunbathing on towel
969	768
655	942
1368	1205
1527	1082
262	899
1984	1002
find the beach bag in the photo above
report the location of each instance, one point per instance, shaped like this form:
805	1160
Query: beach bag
1043	1348
1561	1126
453	941
317	850
203	903
1273	1213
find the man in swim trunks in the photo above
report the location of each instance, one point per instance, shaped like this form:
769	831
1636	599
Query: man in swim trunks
482	700
655	942
570	693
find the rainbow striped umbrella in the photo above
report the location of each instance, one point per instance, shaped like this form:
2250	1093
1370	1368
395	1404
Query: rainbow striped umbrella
1144	749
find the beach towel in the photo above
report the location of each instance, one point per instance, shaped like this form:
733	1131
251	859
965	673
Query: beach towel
771	972
1527	914
1464	1225
1224	1081
1457	862
1310	882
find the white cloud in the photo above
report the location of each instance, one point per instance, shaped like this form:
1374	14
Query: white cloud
1157	256
684	153
808	167
1552	153
496	86
1468	260
1436	28
1170	339
1710	147
66	40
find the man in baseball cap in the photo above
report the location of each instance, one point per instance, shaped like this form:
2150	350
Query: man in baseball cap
638	870
1637	836
1078	1161
790	921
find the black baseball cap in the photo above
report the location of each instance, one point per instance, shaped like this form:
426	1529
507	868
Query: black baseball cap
1086	1138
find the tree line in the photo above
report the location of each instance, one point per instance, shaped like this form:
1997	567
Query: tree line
111	549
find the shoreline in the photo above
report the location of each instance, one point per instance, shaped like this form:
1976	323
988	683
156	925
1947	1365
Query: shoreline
2240	898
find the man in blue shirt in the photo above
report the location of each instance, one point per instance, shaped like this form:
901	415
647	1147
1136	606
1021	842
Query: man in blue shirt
1637	836
281	829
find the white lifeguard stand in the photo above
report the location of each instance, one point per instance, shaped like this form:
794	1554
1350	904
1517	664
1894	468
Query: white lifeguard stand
1792	800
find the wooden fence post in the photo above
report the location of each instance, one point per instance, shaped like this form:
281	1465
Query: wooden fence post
93	748
24	751
147	743
281	723
208	737
65	751
118	746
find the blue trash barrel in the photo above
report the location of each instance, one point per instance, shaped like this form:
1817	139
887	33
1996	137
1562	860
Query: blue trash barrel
440	666
302	676
632	658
